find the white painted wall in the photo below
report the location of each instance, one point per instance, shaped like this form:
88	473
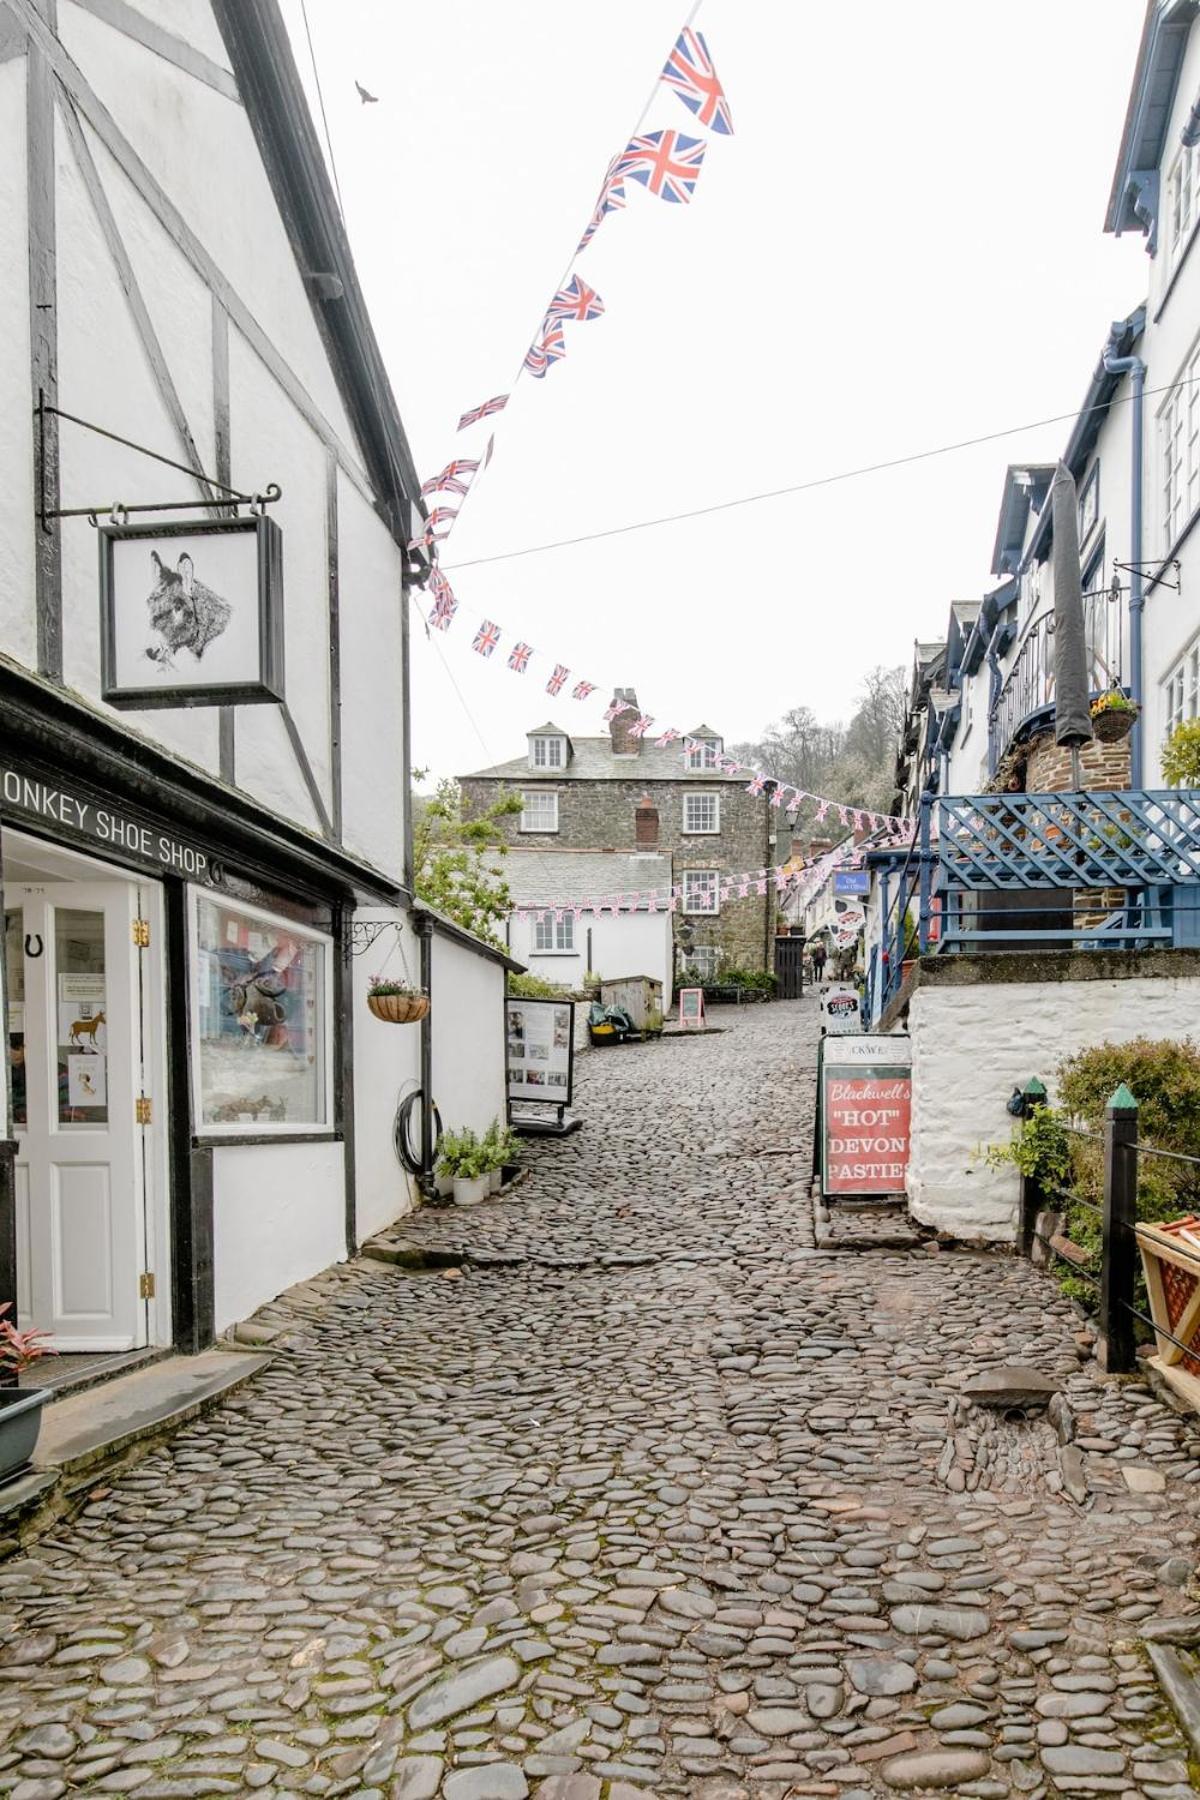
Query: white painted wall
468	1036
17	626
387	1065
629	944
278	1217
972	1045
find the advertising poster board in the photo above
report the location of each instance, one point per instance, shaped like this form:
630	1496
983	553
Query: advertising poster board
840	1011
539	1050
691	1009
865	1112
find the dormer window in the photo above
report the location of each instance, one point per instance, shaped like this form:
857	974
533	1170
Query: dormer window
547	752
704	753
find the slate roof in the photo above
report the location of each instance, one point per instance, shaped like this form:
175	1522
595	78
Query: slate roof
540	877
592	759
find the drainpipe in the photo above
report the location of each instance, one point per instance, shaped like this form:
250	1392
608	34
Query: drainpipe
424	929
1135	367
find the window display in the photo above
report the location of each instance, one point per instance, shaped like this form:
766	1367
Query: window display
261	1020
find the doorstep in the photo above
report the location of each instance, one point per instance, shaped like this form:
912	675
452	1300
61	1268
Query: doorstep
84	1430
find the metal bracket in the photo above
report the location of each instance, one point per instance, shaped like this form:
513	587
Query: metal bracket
233	497
364	932
1140	568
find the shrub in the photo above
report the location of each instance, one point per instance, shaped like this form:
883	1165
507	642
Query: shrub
532	987
1181	755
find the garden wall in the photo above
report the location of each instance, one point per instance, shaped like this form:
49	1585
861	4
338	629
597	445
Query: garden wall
982	1025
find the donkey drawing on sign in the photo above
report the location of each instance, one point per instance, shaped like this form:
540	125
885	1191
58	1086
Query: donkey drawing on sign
184	614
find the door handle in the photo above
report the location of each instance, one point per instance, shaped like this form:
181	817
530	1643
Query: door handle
32	938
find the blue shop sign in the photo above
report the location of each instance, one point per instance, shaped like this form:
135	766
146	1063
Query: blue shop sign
852	881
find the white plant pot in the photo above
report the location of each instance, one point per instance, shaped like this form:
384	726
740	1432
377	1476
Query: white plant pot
495	1180
469	1190
443	1185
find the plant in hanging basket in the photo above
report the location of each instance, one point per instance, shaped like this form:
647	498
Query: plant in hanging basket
1113	715
396	1002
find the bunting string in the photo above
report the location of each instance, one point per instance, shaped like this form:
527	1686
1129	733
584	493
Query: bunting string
667	163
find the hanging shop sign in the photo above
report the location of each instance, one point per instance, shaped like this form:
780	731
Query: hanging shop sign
840	1011
191	612
865	1103
852	881
128	837
539	1050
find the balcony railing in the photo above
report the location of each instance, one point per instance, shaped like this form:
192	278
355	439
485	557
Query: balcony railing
1029	685
1074	871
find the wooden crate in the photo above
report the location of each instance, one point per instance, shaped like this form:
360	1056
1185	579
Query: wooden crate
1172	1267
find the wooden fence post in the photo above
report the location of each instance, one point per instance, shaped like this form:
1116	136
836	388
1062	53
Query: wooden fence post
1119	1256
1032	1202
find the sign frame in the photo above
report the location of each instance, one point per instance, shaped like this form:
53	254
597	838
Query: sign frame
852	881
692	1020
876	1056
264	684
557	1098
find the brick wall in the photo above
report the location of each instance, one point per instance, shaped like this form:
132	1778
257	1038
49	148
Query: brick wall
1048	766
603	815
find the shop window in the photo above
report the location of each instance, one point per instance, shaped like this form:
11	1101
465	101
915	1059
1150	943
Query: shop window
261	1020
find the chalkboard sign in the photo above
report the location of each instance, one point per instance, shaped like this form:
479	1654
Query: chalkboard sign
864	1087
691	1009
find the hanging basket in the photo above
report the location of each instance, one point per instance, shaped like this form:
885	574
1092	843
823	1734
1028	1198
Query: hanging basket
399	1009
1112	723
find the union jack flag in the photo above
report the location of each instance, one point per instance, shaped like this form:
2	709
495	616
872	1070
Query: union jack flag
666	162
757	784
551	347
760	887
728	765
496	404
450	478
610	198
444	603
518	657
486	638
439	515
613	709
640	726
576	301
689	70
822	809
557	680
668	737
582	689
781	879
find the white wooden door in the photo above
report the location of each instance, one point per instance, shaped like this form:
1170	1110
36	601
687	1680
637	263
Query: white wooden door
80	1177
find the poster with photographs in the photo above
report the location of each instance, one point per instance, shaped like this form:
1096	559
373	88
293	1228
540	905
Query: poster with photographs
539	1052
191	612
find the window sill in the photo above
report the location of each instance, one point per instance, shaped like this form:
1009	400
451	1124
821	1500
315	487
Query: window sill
537	830
225	1139
543	955
708	831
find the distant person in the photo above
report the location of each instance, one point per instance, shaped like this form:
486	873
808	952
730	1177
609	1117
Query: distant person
818	961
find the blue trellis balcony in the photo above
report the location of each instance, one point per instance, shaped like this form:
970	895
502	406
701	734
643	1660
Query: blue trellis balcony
1063	871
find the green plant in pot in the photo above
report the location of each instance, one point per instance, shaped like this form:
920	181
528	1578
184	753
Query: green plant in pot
500	1149
396	1002
20	1408
464	1160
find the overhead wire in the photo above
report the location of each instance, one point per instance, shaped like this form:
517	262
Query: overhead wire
312	55
801	487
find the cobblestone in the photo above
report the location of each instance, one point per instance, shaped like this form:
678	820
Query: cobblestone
663	1500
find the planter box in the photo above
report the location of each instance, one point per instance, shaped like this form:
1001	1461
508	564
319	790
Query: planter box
20	1422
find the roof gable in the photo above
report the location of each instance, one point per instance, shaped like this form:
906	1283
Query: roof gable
1134	200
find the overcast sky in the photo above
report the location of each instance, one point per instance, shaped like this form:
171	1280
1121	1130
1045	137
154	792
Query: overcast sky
902	246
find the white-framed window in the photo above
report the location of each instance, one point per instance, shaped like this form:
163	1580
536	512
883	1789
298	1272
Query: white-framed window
540	811
552	936
1181	451
1089	503
701	814
1183	199
262	1020
1182	689
703	961
548	752
704	754
701	891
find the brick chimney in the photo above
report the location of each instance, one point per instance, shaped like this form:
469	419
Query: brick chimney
645	822
622	743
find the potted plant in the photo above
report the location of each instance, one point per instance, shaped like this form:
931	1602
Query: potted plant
464	1159
396	1002
20	1414
1113	715
496	1150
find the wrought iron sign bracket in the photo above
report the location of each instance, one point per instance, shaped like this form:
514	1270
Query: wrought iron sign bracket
1142	568
364	932
232	499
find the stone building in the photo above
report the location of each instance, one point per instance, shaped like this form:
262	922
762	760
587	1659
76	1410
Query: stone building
620	792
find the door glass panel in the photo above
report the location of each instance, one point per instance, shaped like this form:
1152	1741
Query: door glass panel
81	1027
14	987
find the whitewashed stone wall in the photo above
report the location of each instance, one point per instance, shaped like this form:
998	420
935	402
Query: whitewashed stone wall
974	1039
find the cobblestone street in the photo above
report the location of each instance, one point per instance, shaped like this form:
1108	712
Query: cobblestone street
651	1496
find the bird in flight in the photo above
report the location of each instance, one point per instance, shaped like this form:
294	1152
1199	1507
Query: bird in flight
366	98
